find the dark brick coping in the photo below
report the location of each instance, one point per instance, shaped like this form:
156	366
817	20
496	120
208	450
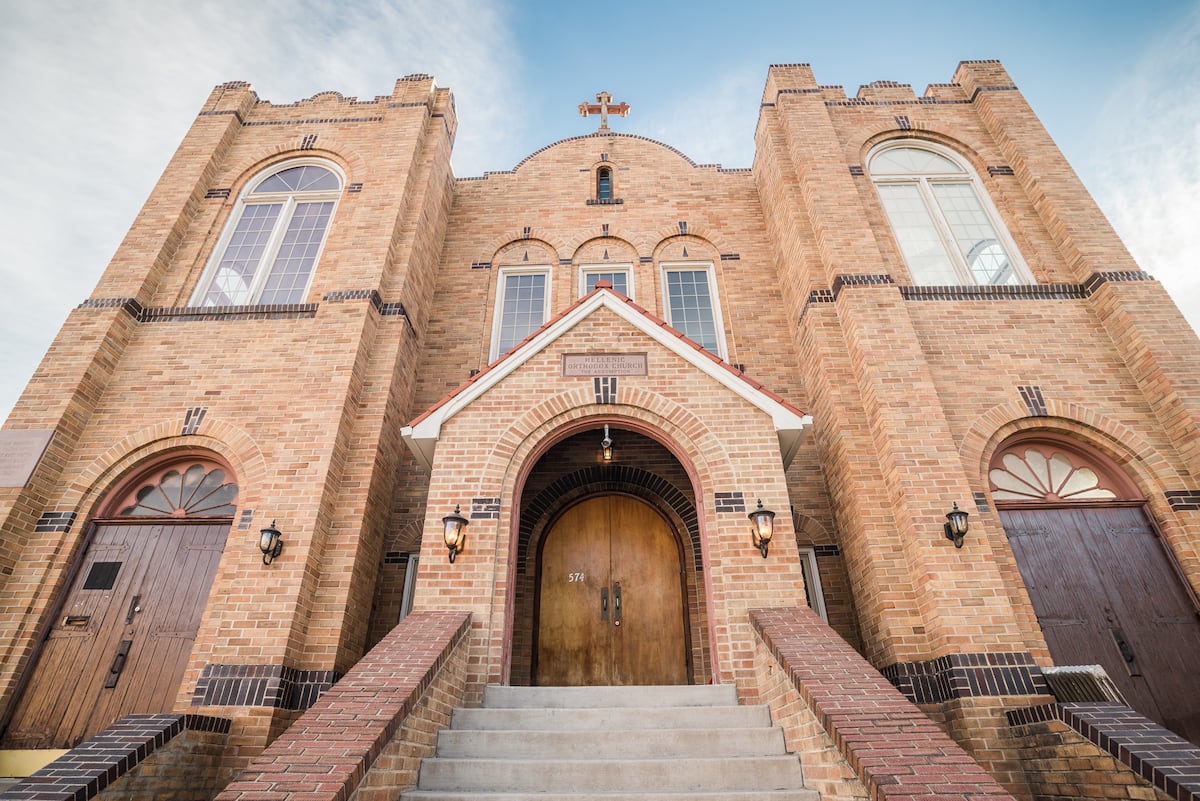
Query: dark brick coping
94	764
967	675
332	746
1159	756
894	749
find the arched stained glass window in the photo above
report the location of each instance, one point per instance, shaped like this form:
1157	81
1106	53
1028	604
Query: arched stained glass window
1046	472
186	490
272	242
947	231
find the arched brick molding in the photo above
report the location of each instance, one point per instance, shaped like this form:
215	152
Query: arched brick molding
604	478
517	237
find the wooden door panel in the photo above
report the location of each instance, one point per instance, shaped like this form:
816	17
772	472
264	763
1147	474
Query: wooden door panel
613	545
648	646
574	644
168	570
1105	568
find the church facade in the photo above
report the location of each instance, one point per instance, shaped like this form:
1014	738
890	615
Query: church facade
900	371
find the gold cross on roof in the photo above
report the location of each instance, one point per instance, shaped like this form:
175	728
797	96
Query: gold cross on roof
602	107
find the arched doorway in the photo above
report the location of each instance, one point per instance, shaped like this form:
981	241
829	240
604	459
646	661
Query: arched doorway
610	601
1103	586
120	642
645	482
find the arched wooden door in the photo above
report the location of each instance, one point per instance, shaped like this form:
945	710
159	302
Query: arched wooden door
121	641
611	606
1101	582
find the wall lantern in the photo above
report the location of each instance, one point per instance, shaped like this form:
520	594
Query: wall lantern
454	532
606	448
270	542
956	528
762	527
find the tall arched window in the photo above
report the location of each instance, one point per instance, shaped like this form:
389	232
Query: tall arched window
948	231
272	241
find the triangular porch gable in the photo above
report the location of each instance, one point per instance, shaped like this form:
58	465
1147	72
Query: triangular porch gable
790	423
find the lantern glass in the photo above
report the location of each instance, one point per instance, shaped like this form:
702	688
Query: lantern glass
958	521
268	537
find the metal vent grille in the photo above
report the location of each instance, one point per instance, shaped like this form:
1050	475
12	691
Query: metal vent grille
1081	683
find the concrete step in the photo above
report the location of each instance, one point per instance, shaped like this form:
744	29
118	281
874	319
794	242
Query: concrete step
612	744
622	718
498	697
743	774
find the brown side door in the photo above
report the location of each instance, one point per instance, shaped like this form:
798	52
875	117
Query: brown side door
121	643
611	608
1106	593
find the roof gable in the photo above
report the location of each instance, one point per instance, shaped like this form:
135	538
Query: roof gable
790	423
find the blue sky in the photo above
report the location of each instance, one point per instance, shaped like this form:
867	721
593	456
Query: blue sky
106	89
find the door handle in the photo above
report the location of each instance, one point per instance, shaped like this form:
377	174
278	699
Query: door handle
118	664
135	606
617	604
604	603
1126	653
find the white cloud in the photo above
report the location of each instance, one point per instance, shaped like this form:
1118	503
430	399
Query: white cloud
714	122
107	89
1145	155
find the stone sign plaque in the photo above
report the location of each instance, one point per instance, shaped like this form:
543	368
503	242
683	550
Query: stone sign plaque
603	364
20	451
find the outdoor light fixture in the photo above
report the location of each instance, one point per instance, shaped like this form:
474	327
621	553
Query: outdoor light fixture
454	532
270	542
606	449
956	528
762	526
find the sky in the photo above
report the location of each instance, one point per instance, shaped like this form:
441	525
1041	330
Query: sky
98	95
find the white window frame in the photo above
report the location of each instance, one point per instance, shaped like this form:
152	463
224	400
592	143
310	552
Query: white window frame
812	581
410	584
498	312
710	271
289	200
584	269
969	177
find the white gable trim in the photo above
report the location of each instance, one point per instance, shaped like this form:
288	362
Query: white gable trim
790	427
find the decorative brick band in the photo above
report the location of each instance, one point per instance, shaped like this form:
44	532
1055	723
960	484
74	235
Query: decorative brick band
843	281
246	518
1000	169
967	676
485	508
894	749
605	388
1184	500
821	551
991	292
320	121
609	478
55	521
325	755
192	314
1035	402
396	558
856	170
354	188
192	420
276	686
84	771
731	257
217	193
729	502
981	502
612	201
1159	756
1097	280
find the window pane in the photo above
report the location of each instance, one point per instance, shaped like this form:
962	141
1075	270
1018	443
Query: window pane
690	307
976	238
911	161
923	249
604	184
620	281
523	309
231	284
308	178
297	254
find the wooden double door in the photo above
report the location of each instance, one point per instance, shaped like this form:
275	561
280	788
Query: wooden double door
1105	592
611	606
121	642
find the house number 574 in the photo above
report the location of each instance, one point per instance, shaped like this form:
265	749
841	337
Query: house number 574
574	577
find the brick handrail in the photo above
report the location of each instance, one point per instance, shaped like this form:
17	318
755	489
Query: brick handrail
327	752
896	751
